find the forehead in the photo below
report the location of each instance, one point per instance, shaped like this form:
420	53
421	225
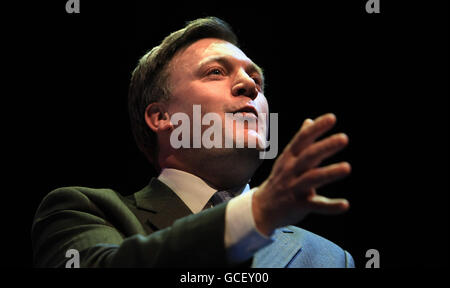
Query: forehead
204	49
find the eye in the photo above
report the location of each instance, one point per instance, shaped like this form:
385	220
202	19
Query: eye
215	71
257	80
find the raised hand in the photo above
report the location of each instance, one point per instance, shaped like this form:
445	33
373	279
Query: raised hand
289	193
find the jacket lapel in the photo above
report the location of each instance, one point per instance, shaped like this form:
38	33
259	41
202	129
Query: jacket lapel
163	207
285	247
163	204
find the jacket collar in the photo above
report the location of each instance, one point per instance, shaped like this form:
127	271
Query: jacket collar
165	206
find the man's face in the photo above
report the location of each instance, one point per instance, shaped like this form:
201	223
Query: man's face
218	76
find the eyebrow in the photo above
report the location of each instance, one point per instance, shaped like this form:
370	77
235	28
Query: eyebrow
226	61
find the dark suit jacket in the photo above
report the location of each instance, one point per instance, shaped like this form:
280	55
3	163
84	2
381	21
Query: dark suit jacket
154	228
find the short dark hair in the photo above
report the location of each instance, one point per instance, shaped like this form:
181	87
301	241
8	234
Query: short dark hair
149	80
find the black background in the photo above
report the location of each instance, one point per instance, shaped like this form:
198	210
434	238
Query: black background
384	75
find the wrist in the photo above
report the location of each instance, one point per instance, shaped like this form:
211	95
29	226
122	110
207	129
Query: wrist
261	223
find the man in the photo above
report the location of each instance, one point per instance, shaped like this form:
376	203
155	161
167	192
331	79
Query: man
179	220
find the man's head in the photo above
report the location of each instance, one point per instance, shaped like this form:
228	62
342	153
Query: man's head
197	65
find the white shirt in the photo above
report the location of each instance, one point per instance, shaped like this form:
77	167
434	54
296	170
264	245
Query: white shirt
242	238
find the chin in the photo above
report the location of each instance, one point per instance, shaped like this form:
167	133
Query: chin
247	158
252	140
234	165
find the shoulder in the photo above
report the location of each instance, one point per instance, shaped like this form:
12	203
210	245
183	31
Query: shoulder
312	240
74	197
317	251
102	204
79	218
78	208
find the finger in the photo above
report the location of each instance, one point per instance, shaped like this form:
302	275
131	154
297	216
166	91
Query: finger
324	205
319	151
306	123
319	177
310	133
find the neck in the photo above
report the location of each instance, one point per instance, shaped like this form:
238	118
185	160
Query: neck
219	171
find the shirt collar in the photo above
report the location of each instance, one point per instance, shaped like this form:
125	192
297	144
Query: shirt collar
192	190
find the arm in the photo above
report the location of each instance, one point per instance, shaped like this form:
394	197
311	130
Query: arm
69	218
288	195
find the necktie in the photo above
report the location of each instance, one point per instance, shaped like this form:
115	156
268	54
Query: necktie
217	198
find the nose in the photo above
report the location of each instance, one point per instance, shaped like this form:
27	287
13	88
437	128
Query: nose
244	85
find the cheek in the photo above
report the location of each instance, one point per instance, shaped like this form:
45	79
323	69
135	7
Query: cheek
211	96
185	96
207	91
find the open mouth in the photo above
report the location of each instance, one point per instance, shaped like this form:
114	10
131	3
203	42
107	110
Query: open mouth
247	111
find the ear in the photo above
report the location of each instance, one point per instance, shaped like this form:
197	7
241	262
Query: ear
157	117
